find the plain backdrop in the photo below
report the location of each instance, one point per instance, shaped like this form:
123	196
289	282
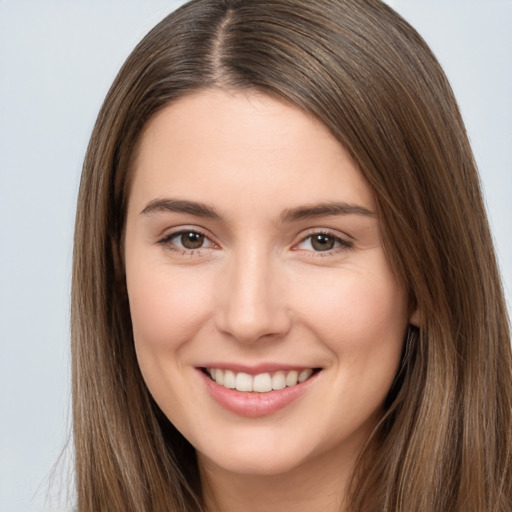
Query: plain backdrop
57	60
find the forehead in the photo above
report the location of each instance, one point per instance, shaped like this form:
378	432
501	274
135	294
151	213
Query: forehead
245	147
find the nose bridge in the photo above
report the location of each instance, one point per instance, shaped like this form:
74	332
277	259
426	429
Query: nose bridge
253	307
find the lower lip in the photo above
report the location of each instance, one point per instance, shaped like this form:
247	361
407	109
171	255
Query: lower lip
254	404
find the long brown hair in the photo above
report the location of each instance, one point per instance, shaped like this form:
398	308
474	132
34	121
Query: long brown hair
445	441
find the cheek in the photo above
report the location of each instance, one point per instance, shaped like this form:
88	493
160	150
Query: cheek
362	321
354	310
166	308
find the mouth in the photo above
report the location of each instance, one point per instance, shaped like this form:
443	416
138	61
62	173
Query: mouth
261	382
253	392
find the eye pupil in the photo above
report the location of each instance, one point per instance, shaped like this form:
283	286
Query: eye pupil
322	242
192	240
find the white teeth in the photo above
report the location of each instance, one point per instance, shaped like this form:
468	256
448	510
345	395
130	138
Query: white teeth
305	374
261	383
278	380
291	378
243	382
218	376
229	379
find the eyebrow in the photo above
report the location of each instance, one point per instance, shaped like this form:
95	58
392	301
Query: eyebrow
324	209
181	206
302	212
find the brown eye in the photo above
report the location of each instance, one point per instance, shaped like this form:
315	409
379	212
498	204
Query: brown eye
192	240
186	241
322	242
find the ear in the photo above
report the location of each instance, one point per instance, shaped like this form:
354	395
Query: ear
415	317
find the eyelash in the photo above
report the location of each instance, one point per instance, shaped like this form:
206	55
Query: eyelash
343	244
168	244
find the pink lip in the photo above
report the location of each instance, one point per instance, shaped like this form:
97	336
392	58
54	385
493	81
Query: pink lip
254	404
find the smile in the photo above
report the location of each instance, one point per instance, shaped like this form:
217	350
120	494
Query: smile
260	383
251	394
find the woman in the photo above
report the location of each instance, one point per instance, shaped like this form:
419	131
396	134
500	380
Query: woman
285	294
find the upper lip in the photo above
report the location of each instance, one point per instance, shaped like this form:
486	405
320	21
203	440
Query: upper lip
257	369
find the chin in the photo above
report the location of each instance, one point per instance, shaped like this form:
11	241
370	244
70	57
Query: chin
254	459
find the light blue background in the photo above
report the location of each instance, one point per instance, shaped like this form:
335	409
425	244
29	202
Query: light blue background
57	60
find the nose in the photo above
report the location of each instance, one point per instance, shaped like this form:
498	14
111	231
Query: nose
251	303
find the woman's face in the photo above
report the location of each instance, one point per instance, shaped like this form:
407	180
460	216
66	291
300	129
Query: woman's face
254	260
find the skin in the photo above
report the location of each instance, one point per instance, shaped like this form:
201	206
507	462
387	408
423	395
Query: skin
258	291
